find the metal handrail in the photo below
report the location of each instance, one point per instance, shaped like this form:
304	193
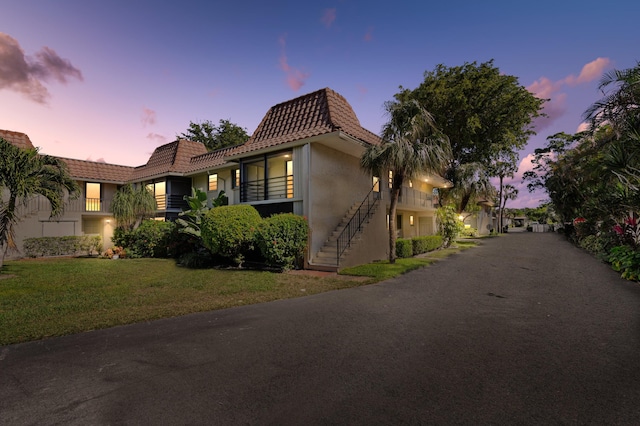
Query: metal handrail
355	223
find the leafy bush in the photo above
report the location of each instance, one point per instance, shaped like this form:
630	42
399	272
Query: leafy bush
426	244
469	232
150	239
61	246
597	244
229	231
404	248
625	260
449	226
282	239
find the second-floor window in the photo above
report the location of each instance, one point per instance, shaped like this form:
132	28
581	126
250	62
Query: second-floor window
376	184
159	191
93	202
213	182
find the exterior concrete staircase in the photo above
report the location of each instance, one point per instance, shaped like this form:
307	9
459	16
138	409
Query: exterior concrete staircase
345	235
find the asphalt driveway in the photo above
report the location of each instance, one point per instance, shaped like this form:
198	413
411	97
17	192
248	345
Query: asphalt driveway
525	329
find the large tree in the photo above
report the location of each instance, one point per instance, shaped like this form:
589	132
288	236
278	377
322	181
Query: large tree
23	174
412	145
472	184
486	114
215	137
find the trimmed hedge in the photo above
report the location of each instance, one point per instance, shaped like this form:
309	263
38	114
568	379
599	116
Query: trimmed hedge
426	244
417	245
62	246
404	248
282	239
229	231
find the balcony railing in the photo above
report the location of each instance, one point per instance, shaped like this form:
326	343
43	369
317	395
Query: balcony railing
84	205
275	188
410	197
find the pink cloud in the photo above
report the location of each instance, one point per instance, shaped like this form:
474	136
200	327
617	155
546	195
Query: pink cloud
328	17
582	127
148	117
591	71
25	75
368	36
556	106
157	138
294	76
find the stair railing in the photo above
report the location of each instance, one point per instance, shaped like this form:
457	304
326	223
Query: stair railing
354	225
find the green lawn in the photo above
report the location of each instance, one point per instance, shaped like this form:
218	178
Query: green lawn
54	297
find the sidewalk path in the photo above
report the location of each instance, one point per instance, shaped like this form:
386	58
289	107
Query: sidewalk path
525	329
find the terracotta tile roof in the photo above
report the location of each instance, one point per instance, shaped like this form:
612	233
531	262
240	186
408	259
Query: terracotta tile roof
21	140
313	114
210	159
99	172
174	157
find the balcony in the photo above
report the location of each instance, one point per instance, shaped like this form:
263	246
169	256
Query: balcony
410	197
276	188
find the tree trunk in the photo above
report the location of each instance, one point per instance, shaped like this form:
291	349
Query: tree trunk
392	224
500	206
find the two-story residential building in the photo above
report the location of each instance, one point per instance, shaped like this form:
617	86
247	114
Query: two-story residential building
303	158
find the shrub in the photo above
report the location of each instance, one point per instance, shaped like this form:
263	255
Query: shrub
625	260
282	239
229	231
150	239
426	244
469	232
61	246
449	226
404	248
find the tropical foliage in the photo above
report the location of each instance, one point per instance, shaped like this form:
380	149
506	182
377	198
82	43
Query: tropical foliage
449	226
130	206
412	145
593	177
487	116
23	174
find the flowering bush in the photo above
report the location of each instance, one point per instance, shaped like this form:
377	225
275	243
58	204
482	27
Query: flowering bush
115	253
629	230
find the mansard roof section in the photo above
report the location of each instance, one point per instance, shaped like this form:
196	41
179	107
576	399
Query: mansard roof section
212	159
172	158
21	140
317	113
92	171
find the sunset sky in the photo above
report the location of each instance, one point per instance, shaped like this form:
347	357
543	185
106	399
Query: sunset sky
112	80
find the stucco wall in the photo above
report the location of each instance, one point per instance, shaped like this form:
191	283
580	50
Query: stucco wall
373	242
336	183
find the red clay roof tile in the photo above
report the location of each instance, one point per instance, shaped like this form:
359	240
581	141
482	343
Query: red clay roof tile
21	140
317	113
100	172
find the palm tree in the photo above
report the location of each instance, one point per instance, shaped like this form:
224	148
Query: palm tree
619	107
24	173
130	206
412	145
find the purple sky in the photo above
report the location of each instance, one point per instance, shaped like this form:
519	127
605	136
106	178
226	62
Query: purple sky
111	81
